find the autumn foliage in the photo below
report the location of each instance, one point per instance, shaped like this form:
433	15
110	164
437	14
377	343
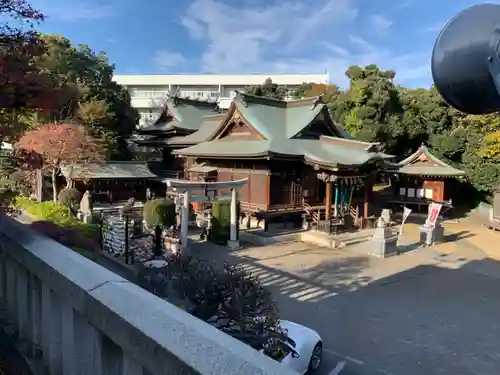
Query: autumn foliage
59	144
51	146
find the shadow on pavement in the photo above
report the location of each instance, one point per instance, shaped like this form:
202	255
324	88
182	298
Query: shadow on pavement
440	318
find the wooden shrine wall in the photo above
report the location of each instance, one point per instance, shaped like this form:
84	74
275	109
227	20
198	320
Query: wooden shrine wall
414	189
253	196
437	188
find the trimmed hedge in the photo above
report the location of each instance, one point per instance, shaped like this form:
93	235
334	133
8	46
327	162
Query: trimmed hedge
221	222
159	211
69	196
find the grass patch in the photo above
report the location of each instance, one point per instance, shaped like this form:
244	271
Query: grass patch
57	214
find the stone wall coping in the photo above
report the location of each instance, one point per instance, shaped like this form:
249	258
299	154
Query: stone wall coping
161	337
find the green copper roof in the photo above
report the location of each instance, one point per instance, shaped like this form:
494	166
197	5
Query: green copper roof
189	113
317	152
424	163
181	113
279	122
208	127
276	119
109	170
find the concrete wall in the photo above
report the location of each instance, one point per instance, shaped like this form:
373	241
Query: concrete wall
77	317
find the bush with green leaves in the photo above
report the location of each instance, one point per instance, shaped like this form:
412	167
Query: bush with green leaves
68	236
160	212
69	197
228	297
57	214
221	222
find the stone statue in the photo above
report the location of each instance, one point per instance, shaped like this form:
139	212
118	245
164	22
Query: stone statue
386	215
148	194
127	207
381	222
86	206
128	210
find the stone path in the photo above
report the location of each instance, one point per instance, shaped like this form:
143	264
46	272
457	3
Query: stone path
431	311
468	237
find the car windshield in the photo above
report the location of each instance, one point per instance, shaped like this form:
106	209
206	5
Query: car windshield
279	349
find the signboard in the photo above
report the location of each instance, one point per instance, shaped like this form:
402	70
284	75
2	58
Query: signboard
434	210
406	213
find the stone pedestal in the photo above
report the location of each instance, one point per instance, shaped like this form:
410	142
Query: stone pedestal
383	243
431	235
233	245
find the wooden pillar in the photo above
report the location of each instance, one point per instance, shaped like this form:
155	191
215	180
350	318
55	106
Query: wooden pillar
336	206
268	191
368	190
328	199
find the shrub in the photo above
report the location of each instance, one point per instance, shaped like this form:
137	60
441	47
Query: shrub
228	297
68	236
69	197
221	221
57	214
159	212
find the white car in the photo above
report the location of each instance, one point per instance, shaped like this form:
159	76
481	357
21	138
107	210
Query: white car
303	349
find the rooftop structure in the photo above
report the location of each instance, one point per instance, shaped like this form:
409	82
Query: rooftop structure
148	92
284	149
300	129
422	178
423	163
179	117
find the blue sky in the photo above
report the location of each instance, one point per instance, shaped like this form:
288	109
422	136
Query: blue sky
257	36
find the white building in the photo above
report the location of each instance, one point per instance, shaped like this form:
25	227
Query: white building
148	91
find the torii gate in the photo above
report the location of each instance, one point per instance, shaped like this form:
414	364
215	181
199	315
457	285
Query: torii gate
185	186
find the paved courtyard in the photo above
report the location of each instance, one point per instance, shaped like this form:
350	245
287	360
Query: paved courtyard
429	311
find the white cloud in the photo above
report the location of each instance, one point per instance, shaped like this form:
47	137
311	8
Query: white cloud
290	37
380	23
168	60
362	43
434	28
341	51
74	11
241	36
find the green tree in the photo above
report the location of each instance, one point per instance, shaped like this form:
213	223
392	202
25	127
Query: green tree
22	87
370	109
328	92
269	90
86	93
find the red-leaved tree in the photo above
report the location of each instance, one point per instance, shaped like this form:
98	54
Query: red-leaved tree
49	147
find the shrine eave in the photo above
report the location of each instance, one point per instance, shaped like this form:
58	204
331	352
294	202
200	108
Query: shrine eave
108	171
427	171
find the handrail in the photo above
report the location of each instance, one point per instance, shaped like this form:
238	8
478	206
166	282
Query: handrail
83	318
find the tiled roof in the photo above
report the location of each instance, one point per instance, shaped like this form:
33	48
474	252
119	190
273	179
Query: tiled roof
208	127
423	163
312	151
181	113
280	122
109	170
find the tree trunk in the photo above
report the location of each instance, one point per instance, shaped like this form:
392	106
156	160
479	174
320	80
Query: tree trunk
54	184
39	185
69	178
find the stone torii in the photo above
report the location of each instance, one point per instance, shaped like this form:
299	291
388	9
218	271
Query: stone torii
184	187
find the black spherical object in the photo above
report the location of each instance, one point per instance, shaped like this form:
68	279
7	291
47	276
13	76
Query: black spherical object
465	48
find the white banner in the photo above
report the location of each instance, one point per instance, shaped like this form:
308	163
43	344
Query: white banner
406	213
434	210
